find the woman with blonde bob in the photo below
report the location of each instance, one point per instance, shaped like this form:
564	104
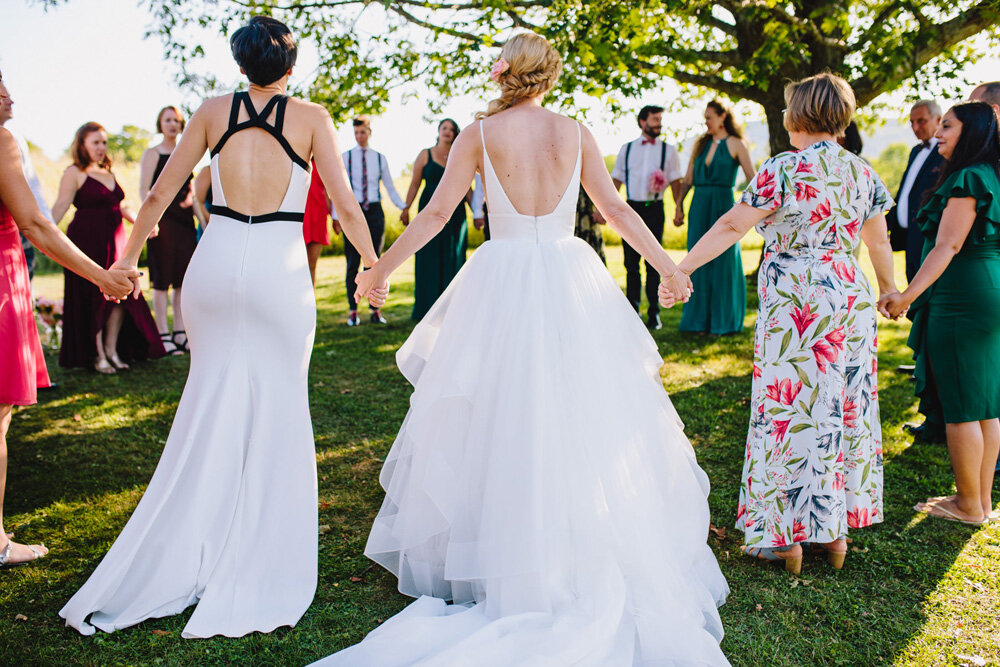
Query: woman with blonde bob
813	465
561	534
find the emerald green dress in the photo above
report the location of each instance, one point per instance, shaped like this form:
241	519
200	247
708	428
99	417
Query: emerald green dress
956	322
719	301
438	261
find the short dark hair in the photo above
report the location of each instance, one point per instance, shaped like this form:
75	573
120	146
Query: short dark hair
265	49
991	92
647	110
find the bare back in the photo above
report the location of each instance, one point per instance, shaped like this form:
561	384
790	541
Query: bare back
534	153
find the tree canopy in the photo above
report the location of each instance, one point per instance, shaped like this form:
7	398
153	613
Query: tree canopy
613	50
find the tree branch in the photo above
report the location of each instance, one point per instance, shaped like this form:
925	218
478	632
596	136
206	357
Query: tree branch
933	39
714	82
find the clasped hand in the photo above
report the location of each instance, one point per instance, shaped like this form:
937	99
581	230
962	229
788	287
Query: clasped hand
119	281
677	287
372	287
893	305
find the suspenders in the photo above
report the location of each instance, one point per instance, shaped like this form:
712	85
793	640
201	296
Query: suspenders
350	173
628	151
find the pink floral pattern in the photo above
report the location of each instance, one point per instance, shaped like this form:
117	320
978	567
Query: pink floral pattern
813	465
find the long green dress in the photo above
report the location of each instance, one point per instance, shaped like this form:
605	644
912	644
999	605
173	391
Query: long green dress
719	301
956	322
438	261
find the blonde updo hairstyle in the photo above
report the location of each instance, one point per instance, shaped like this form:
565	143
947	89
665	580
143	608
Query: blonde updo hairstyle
534	69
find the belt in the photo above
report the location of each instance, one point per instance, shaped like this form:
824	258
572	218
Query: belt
254	219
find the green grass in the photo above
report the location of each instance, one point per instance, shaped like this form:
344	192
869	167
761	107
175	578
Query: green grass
915	591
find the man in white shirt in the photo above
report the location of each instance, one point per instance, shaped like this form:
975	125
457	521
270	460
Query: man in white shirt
921	175
366	169
637	163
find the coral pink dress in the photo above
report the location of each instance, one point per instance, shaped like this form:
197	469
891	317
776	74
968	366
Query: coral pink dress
20	350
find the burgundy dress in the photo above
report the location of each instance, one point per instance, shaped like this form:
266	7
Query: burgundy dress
169	252
98	231
20	350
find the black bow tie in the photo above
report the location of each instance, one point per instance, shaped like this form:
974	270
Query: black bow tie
927	144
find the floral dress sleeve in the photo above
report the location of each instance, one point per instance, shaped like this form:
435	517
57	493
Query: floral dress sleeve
772	188
880	200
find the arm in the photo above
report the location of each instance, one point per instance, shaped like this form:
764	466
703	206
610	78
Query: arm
452	189
618	171
956	223
727	230
202	182
875	236
127	213
330	164
67	191
42	232
679	199
411	194
390	187
147	165
478	199
743	157
678	195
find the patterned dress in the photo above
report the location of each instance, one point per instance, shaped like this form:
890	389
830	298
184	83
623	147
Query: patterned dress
814	449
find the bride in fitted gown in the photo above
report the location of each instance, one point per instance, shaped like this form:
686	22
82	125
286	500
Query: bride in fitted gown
541	480
229	519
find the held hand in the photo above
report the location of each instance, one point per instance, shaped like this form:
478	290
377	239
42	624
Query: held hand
598	218
679	218
371	287
479	223
404	217
128	271
336	227
893	305
156	232
677	287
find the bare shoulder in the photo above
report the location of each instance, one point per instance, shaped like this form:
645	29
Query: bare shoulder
72	170
308	110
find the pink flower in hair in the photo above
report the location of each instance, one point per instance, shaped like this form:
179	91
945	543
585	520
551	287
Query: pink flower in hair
499	67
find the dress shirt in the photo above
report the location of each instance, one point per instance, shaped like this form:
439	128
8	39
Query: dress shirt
903	203
478	198
29	173
643	160
352	162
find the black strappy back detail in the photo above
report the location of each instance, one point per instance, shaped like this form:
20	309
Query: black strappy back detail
259	120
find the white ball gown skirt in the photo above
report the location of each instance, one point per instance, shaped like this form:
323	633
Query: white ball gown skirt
229	519
541	481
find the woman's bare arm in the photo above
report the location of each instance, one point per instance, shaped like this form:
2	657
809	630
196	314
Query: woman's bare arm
68	185
411	193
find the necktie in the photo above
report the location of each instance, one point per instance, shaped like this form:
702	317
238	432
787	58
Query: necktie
927	144
647	140
364	179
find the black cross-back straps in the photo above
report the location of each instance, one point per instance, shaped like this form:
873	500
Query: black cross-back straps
260	120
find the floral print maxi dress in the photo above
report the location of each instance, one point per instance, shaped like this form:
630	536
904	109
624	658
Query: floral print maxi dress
814	449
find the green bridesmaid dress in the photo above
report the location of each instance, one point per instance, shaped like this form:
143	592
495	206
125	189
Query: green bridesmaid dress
956	322
438	261
719	301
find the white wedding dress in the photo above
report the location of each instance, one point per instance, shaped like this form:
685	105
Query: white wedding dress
229	519
541	479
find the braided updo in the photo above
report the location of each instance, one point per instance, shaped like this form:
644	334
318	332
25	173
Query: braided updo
534	69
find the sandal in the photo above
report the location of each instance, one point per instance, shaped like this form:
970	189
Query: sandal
36	550
170	346
181	345
117	363
793	564
104	368
944	513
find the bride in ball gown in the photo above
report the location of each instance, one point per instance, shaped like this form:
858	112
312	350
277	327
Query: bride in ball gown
229	519
541	480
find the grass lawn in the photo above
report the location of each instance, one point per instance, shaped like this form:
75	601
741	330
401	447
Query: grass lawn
915	591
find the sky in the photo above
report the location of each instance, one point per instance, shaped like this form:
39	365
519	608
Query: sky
88	60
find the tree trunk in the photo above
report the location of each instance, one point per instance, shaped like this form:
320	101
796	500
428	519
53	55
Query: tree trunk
777	135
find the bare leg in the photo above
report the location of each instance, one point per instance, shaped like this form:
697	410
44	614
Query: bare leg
966	449
160	303
178	315
111	330
100	347
19	553
991	447
313	251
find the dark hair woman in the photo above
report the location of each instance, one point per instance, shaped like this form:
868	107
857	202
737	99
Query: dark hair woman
97	332
172	242
20	350
437	262
954	301
240	452
719	302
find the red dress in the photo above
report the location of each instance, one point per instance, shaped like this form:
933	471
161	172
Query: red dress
20	350
98	231
314	227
